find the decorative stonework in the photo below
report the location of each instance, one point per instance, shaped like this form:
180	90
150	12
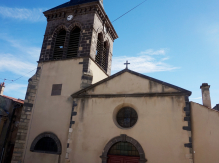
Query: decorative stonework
57	15
87	76
123	138
26	113
188	128
80	10
47	134
73	113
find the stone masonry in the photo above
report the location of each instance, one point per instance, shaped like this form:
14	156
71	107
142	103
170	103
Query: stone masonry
20	143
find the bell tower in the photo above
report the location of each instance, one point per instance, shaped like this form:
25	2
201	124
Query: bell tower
93	39
76	52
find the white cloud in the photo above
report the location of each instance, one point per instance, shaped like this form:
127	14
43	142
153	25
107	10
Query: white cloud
33	15
11	63
19	88
21	45
23	59
143	63
154	52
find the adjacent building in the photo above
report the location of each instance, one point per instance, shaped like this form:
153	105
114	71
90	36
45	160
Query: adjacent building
10	113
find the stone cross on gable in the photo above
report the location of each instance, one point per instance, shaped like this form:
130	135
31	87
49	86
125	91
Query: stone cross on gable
126	64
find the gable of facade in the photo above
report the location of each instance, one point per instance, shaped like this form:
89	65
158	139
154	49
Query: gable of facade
160	111
127	82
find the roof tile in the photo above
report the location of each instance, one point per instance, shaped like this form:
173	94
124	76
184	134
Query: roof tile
14	99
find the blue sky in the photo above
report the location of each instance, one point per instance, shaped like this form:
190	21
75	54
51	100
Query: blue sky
174	41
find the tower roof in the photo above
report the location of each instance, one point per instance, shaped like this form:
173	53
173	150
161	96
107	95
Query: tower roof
72	3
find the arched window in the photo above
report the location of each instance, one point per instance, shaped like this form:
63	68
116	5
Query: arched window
99	49
59	45
104	64
123	149
73	43
46	143
102	51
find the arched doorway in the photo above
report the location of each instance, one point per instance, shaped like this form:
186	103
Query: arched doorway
123	152
123	149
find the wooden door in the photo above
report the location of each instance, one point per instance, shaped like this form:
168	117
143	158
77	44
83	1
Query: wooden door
122	159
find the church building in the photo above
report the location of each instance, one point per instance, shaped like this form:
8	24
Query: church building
75	111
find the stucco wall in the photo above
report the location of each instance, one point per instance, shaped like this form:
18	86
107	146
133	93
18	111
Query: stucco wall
52	113
128	83
158	129
205	132
98	74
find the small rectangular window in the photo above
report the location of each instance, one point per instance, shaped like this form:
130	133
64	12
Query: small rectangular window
56	89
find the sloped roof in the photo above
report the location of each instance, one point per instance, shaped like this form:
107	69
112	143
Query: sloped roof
134	73
216	107
72	3
14	99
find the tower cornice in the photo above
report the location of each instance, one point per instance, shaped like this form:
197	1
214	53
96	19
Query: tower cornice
82	9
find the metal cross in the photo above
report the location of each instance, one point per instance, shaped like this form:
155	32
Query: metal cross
126	64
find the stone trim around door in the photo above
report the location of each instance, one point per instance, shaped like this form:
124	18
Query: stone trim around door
123	138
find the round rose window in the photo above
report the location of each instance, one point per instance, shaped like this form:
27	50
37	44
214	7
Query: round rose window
126	117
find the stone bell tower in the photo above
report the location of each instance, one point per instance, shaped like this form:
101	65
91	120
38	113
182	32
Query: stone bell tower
92	20
76	52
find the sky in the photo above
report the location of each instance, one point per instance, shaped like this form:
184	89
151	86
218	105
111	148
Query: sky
171	40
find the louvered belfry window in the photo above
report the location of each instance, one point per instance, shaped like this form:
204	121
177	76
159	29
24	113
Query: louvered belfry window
59	45
101	53
98	57
73	43
105	57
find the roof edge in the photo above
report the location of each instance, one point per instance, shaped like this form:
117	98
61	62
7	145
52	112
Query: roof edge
14	99
130	95
104	16
134	73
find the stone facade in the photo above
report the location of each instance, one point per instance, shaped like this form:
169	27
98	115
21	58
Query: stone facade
19	148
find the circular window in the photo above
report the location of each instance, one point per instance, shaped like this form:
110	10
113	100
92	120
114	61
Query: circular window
126	117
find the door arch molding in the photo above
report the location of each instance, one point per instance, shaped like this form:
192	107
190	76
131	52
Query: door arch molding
123	138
